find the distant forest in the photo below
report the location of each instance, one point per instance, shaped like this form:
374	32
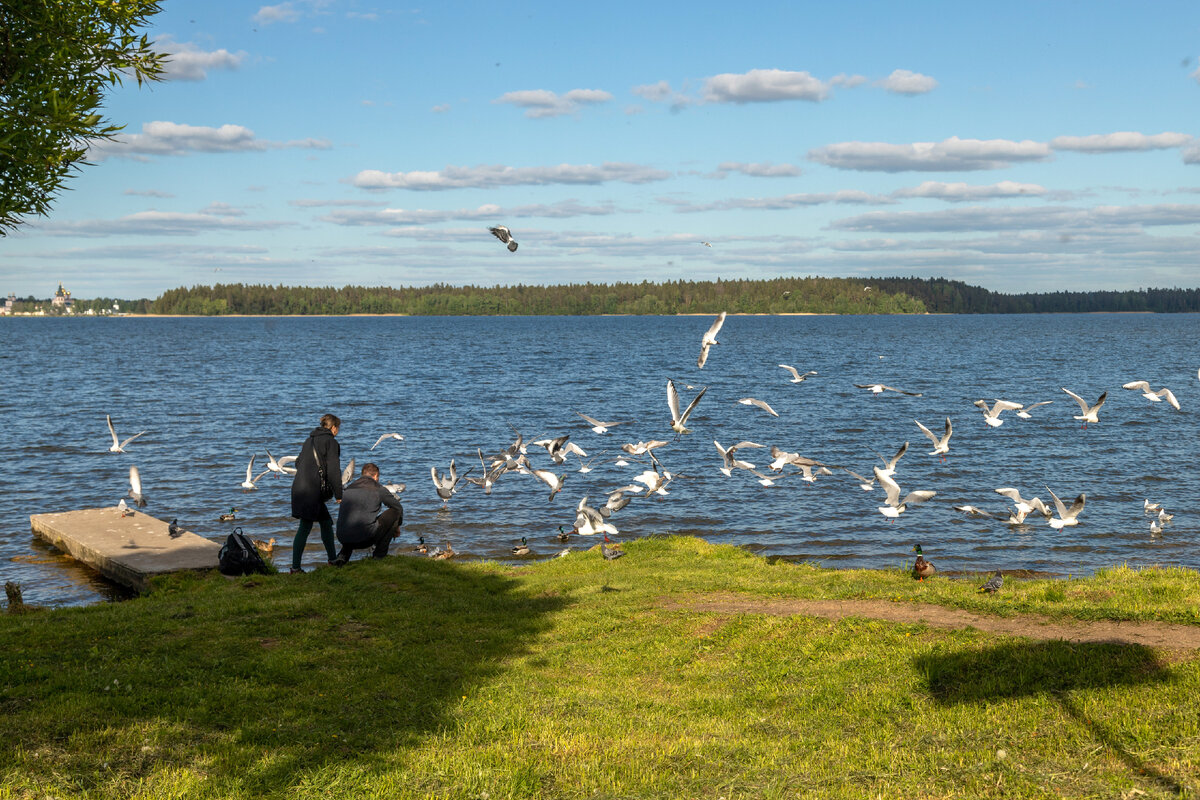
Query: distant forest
770	296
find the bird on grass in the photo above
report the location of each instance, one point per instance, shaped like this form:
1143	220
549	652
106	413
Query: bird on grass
502	233
922	569
993	583
228	517
522	549
610	553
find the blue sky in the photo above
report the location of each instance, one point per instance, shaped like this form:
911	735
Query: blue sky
1017	146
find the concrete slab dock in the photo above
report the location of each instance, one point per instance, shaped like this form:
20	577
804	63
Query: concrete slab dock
129	550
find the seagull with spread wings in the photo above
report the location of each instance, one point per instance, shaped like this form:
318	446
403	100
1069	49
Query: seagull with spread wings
879	388
797	376
1088	413
678	420
941	445
117	445
504	235
992	415
1154	397
709	339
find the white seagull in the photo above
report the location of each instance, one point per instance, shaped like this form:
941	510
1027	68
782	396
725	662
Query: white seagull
751	401
117	445
446	485
1150	508
730	461
992	415
879	388
280	465
709	339
1154	397
559	448
135	487
1066	516
865	484
555	482
679	421
1023	412
251	480
797	377
1024	506
895	506
941	446
589	522
379	441
890	466
597	425
1089	412
504	235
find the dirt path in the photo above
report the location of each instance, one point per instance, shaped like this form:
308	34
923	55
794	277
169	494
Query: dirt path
1150	634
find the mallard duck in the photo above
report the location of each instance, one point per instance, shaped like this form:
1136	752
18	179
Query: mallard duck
522	549
230	517
266	548
421	546
922	569
563	536
442	555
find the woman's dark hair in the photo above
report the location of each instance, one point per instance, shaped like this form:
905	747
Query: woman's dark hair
330	422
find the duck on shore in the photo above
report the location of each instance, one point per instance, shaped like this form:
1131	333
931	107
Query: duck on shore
922	569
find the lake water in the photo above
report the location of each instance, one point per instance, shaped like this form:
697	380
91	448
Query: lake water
211	392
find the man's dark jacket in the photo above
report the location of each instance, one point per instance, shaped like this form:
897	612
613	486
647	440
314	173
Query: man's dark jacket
361	503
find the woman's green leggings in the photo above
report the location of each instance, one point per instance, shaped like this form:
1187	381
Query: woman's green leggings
301	540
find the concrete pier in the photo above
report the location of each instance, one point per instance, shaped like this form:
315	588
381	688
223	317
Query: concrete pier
129	550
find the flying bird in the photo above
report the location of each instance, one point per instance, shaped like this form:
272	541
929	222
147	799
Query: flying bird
895	506
447	484
890	466
1154	397
280	465
1066	516
1088	412
1023	412
251	478
797	377
730	462
879	388
709	339
597	425
941	445
117	445
679	421
992	415
751	401
504	235
395	436
135	487
555	482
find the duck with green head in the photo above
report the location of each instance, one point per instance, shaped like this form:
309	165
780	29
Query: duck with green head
522	549
232	515
922	569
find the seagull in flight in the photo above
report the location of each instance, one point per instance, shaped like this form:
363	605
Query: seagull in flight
380	440
1089	412
1154	397
889	468
251	479
797	377
751	401
1023	412
135	487
555	482
679	421
1023	506
730	461
504	235
117	445
941	445
280	466
597	425
879	388
447	484
1066	516
709	339
895	506
992	415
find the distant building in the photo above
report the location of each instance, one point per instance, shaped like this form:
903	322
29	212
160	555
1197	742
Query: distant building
62	300
7	308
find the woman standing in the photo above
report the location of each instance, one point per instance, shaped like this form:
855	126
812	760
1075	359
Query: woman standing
318	478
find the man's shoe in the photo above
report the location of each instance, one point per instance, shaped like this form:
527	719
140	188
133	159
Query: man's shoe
296	571
339	561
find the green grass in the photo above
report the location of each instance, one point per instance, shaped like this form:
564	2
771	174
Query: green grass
571	678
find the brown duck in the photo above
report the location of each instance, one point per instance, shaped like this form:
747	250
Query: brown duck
922	569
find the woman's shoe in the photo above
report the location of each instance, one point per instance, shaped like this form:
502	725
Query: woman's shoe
296	570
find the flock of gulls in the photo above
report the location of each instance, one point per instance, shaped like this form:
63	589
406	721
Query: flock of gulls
549	461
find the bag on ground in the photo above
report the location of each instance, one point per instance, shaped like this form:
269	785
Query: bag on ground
238	556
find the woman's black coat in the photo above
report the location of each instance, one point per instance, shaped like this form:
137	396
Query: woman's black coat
307	502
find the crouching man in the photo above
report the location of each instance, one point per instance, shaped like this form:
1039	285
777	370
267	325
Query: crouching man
359	523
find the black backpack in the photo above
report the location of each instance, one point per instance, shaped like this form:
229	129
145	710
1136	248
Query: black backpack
238	556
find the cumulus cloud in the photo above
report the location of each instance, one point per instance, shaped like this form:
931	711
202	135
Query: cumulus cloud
845	81
1122	141
654	92
903	81
951	155
283	12
489	211
542	103
764	86
188	62
757	170
960	192
1191	154
174	139
493	175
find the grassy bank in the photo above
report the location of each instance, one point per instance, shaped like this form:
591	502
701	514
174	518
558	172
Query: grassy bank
574	678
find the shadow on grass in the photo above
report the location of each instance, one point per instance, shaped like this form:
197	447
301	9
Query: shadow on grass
1056	668
258	682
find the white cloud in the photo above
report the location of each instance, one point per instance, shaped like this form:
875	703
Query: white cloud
764	86
284	12
781	203
903	81
542	103
1122	141
847	81
654	92
190	63
216	217
757	170
173	139
148	193
492	175
1191	154
960	192
979	218
400	216
951	155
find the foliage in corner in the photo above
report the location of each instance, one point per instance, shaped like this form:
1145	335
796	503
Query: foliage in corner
57	59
